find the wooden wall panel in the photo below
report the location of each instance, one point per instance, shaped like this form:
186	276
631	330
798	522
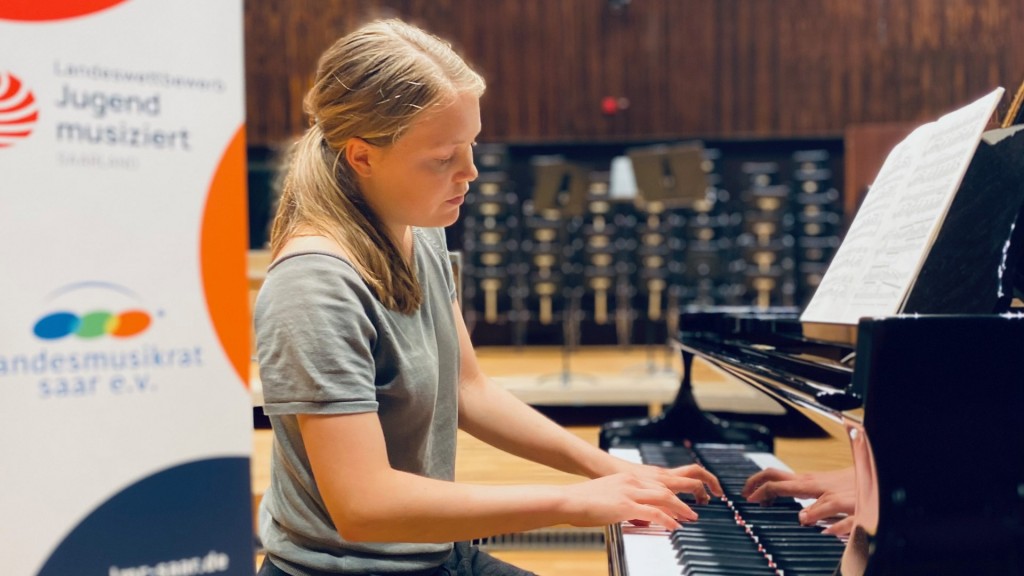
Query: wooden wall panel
699	68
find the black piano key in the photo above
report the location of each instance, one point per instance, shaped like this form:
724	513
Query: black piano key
731	488
717	546
666	455
782	510
724	540
755	565
797	562
711	530
806	562
778	540
777	504
712	501
715	542
770	516
717	571
793	541
749	554
820	540
794	530
796	549
713	524
735	532
787	504
737	546
714	512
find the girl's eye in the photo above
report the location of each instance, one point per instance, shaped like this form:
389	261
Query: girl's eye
443	161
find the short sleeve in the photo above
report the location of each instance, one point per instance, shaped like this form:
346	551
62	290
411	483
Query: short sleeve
315	338
439	246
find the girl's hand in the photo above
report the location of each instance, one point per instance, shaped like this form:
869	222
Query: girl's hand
692	479
642	495
624	496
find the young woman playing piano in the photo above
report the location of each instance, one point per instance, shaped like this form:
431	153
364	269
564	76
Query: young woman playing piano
366	364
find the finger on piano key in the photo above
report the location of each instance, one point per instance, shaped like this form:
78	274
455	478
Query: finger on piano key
735	537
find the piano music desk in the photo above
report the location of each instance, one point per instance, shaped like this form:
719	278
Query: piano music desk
478	463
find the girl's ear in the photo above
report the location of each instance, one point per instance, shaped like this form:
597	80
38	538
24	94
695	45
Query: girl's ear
359	154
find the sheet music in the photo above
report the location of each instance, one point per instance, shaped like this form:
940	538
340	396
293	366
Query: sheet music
876	265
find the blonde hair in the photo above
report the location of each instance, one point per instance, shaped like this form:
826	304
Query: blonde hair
371	84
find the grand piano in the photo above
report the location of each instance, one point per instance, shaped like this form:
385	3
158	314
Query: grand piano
931	399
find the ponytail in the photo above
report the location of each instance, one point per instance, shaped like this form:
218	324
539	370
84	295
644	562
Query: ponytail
321	196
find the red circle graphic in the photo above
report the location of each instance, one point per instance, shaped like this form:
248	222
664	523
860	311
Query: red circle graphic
18	111
41	11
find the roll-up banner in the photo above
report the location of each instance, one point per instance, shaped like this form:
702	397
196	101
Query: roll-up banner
125	416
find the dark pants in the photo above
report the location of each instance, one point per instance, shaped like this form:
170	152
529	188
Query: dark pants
465	560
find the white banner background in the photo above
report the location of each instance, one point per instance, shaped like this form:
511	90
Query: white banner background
112	227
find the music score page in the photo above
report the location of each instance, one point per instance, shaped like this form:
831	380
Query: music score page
875	267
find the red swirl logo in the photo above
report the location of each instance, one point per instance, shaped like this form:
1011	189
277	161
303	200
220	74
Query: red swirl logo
18	112
43	11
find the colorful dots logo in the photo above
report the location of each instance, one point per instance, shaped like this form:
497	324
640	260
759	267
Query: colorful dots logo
18	112
109	310
92	325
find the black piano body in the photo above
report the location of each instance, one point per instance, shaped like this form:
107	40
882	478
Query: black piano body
932	400
934	405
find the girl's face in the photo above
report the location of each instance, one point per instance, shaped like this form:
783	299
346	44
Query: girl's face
422	179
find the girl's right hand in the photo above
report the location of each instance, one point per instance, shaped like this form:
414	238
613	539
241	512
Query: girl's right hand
625	497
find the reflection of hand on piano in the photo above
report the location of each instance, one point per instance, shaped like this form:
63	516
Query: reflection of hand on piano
834	491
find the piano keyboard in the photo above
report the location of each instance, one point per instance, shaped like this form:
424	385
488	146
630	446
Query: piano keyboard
732	537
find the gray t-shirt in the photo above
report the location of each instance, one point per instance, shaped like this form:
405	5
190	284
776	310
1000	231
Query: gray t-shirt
327	346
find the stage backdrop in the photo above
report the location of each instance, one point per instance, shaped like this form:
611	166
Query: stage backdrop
125	419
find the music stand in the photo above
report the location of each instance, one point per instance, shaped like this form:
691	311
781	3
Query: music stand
548	179
651	173
689	180
559	185
669	176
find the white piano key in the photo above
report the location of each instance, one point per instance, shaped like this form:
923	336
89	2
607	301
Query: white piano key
645	553
649	555
628	454
767	460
